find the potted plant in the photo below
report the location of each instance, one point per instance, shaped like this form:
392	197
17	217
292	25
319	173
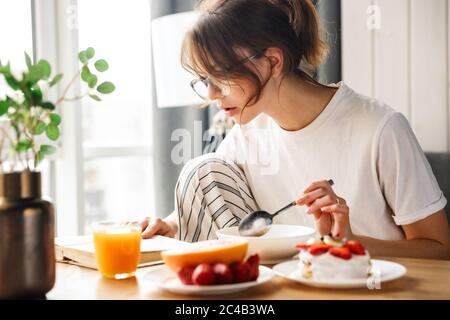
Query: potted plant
29	132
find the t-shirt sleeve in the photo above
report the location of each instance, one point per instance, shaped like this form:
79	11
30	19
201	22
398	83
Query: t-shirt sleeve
406	178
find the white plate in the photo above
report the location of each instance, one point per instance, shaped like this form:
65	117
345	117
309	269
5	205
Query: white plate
383	271
164	278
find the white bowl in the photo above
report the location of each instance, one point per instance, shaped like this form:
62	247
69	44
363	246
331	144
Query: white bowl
278	244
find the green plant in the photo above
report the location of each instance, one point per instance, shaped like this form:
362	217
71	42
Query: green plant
26	112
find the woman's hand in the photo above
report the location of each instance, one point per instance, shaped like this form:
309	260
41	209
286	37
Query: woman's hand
330	211
157	226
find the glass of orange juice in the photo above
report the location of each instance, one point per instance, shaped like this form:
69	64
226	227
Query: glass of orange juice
117	248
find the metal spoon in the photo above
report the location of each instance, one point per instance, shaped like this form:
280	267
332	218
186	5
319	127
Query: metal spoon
258	223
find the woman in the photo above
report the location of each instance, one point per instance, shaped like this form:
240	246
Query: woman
293	134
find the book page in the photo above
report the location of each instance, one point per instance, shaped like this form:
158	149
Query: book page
79	250
161	243
86	243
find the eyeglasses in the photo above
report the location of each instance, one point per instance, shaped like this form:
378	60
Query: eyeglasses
201	85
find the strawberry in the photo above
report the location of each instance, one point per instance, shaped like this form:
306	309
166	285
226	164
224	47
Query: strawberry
241	271
342	252
203	275
253	262
318	249
253	259
303	246
222	273
185	274
355	247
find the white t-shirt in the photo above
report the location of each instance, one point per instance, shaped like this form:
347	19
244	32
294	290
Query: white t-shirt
365	146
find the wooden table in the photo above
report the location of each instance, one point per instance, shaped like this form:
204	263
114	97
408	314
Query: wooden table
425	279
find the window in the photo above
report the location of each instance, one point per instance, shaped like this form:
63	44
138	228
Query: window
104	168
14	42
17	39
117	131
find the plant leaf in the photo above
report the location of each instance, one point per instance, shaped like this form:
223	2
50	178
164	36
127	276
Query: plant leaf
48	105
47	149
92	81
55	119
101	65
90	52
28	61
106	87
40	128
4	106
36	73
52	132
56	79
6	69
95	97
12	82
45	67
86	74
23	145
39	157
83	57
36	93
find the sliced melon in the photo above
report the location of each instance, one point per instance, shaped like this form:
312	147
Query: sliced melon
211	251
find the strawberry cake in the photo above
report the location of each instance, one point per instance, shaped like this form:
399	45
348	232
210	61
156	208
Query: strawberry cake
328	259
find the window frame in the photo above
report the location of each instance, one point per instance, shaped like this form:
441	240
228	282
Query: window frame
55	40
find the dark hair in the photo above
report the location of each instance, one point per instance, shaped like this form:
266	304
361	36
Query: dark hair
253	25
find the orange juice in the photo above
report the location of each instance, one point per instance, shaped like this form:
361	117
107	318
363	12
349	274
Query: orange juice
117	249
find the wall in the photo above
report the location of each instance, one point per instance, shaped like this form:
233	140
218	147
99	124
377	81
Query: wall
398	51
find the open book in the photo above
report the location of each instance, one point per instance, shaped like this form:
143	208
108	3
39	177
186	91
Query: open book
79	250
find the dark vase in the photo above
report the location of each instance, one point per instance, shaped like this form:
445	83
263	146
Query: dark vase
27	255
